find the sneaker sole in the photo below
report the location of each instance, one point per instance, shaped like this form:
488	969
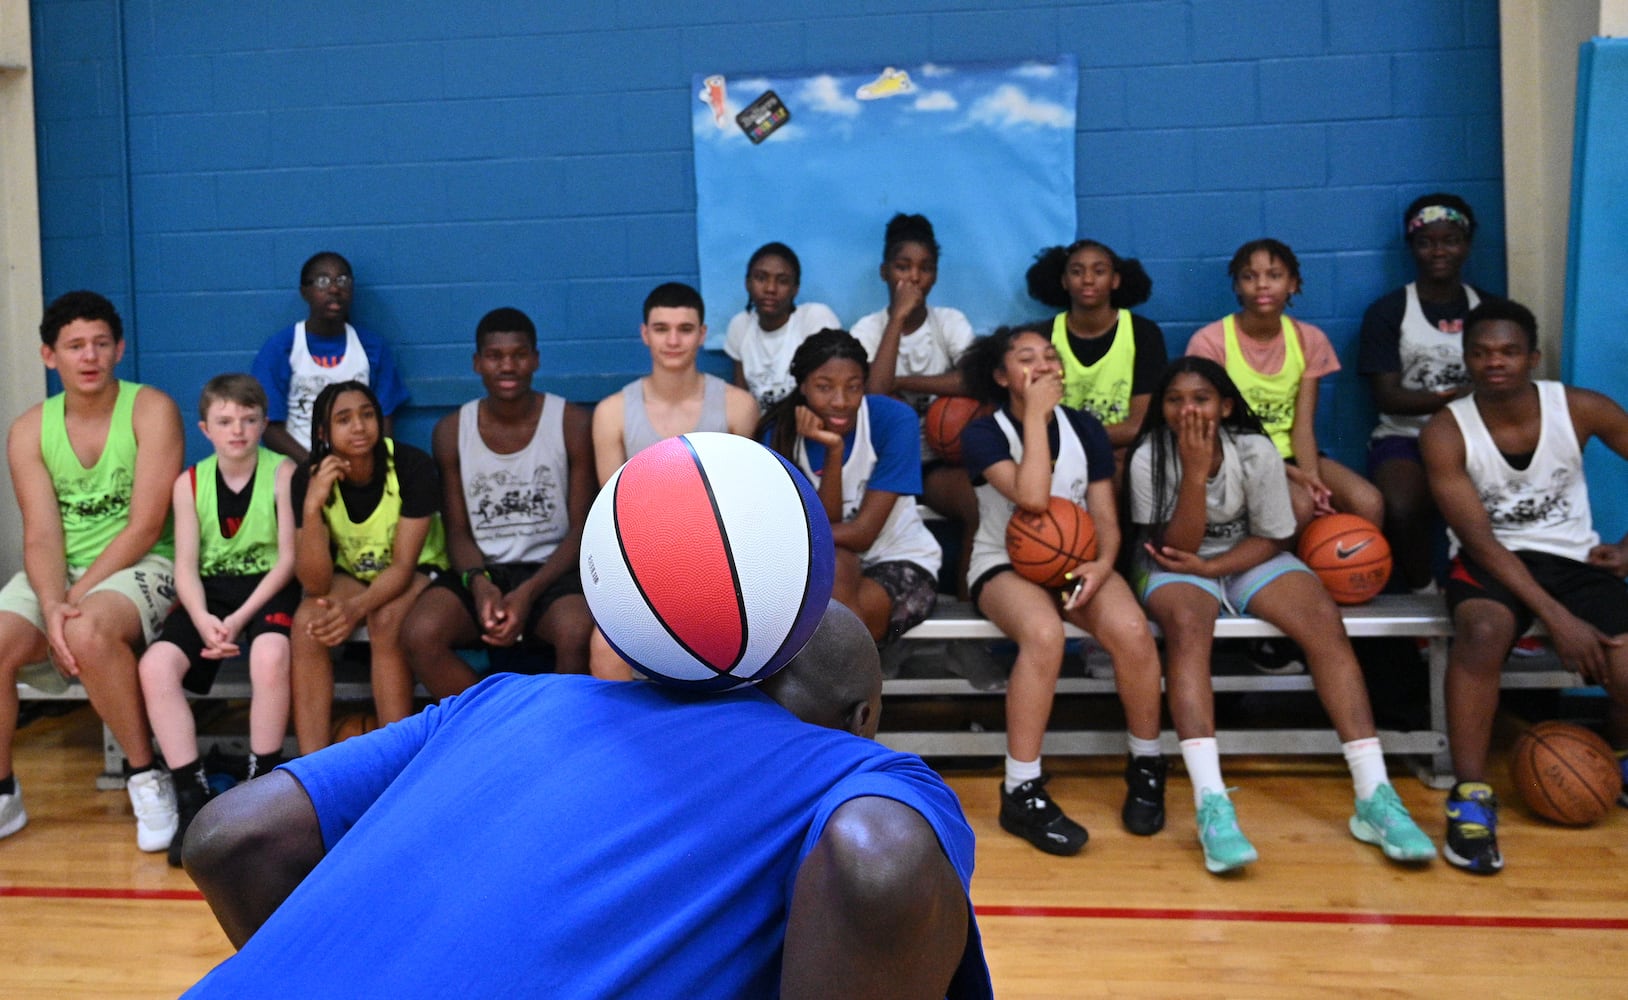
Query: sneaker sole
1467	865
1368	835
153	844
1146	831
1290	669
1062	850
17	823
1215	867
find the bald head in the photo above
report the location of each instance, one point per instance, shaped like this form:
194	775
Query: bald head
836	681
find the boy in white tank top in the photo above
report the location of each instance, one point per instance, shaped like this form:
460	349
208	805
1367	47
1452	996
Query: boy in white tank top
1506	469
517	481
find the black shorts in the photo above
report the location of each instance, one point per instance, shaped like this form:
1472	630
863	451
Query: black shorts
222	596
988	575
1588	592
508	576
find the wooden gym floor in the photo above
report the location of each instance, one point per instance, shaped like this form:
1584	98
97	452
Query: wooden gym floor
84	914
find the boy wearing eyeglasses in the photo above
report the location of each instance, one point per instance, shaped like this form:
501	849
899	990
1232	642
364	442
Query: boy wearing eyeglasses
324	348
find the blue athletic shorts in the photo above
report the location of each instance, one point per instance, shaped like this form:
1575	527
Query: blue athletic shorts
1233	593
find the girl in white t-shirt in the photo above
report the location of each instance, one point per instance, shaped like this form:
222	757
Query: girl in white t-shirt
763	336
1209	493
913	348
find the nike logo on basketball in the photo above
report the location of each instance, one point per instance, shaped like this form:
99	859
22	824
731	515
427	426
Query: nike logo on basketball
1341	552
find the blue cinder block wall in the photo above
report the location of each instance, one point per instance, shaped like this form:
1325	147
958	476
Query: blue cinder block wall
467	156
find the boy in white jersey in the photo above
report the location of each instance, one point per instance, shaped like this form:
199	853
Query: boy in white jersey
517	477
92	467
321	350
234	575
1506	469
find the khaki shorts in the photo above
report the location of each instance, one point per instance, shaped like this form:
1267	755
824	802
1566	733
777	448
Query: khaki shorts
149	585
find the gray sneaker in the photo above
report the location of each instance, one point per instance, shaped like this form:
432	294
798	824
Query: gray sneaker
152	796
12	815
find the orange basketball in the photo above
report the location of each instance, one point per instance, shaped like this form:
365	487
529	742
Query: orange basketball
946	418
1349	555
1566	773
1045	547
353	724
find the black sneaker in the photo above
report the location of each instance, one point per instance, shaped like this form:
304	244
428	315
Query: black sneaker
1275	657
1472	829
1143	814
191	794
1030	813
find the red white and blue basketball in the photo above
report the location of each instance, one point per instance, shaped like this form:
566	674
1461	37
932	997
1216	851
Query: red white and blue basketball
707	561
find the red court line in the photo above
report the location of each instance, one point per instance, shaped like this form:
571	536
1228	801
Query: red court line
1065	912
1309	917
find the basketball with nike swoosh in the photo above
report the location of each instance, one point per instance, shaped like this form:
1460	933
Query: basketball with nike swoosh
1349	555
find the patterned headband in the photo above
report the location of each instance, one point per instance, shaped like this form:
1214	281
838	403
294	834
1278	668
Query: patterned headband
1437	213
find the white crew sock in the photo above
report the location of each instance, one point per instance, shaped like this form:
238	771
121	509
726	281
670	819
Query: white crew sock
1367	763
1019	771
1142	748
1203	760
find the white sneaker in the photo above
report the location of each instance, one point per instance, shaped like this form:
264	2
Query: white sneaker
152	796
12	816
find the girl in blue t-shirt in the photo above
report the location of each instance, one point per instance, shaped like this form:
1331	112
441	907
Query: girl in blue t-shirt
1111	357
1030	450
863	454
1209	491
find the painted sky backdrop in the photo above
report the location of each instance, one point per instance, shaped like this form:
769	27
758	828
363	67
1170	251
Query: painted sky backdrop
985	151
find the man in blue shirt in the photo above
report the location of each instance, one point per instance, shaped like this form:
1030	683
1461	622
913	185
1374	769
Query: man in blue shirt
563	836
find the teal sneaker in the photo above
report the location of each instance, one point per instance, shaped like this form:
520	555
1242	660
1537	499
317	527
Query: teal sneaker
1225	846
1382	820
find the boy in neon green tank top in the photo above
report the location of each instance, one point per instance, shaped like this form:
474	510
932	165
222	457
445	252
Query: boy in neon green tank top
368	539
1277	363
234	575
92	468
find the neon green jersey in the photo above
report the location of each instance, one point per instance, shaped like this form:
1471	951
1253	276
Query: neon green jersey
366	548
253	549
1102	389
94	503
1272	397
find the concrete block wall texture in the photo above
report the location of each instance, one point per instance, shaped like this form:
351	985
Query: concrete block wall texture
468	156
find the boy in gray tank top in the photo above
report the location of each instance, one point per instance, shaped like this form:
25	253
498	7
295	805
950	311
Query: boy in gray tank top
675	398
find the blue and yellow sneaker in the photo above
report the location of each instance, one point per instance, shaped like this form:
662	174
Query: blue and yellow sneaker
1472	829
1383	820
1225	846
